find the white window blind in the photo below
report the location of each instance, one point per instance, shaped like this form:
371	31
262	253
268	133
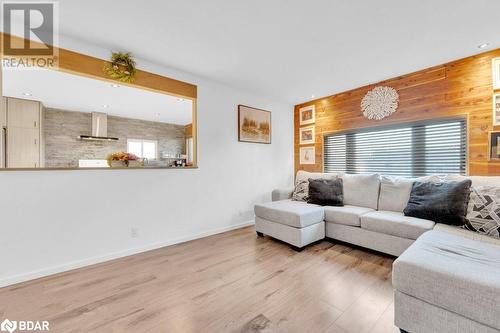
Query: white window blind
409	150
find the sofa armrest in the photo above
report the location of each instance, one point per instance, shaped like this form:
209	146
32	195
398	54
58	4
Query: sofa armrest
282	193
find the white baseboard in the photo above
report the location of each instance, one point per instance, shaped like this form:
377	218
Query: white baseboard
115	255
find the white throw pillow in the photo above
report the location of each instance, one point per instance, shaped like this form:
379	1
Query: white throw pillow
361	190
394	193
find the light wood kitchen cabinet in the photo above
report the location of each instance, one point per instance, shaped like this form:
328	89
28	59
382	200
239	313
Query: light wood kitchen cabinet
23	148
3	112
24	134
23	113
3	129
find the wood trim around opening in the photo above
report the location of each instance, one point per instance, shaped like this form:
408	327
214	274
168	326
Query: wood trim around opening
84	65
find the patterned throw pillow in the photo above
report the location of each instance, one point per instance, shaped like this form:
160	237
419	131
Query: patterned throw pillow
483	213
301	191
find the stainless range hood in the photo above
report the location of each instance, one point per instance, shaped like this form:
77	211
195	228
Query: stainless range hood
99	128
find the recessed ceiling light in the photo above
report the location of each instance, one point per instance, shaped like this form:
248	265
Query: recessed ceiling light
27	94
485	45
114	85
312	96
180	99
105	106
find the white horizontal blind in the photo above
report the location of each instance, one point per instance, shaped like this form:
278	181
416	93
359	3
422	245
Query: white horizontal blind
410	150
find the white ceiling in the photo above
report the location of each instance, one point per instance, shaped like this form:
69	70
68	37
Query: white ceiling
288	49
76	93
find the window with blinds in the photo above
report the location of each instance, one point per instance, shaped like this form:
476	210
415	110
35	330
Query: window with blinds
409	150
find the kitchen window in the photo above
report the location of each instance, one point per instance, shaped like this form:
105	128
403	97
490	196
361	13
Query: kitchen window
143	148
410	150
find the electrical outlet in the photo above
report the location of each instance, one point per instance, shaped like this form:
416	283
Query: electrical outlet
134	232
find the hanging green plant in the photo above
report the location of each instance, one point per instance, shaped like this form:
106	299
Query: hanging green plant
121	68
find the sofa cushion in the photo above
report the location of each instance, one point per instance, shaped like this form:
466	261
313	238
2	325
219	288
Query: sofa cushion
361	190
395	224
454	273
394	193
326	192
444	202
346	215
296	214
304	175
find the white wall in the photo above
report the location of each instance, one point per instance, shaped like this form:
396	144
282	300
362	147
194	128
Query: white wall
52	221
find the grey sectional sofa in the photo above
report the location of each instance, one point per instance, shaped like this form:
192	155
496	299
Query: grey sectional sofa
446	279
372	215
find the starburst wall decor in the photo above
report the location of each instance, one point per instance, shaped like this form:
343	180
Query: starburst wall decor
380	102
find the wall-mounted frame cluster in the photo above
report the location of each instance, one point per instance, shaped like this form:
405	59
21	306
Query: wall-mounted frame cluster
307	134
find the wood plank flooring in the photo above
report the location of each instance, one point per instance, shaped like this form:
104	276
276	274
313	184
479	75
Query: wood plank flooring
231	282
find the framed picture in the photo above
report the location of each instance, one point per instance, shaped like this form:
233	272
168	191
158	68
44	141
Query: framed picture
496	73
496	110
254	125
306	135
308	155
494	144
307	115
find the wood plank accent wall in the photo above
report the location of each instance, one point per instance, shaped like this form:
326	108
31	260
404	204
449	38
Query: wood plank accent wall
459	88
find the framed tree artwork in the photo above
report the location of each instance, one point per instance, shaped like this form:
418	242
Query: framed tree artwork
307	115
254	125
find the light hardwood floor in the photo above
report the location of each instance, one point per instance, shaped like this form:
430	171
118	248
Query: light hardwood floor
231	282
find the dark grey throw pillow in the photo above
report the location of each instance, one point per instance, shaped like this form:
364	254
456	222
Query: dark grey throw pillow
444	202
326	192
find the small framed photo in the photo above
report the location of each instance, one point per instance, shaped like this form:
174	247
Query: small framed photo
307	135
496	73
494	145
308	155
307	115
496	110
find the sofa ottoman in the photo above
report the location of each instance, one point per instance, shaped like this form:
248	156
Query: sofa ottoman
447	283
294	222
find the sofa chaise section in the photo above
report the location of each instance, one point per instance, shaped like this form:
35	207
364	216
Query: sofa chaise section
294	222
447	283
